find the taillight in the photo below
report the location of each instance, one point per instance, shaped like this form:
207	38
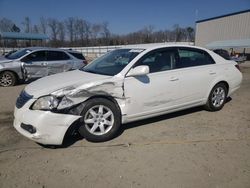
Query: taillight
85	62
238	67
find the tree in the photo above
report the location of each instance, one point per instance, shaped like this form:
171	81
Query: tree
75	31
70	28
95	32
43	25
105	32
27	25
61	31
35	29
87	31
53	25
147	33
179	33
6	25
190	33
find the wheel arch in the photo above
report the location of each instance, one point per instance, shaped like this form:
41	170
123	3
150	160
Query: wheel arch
76	110
215	83
108	97
9	70
225	83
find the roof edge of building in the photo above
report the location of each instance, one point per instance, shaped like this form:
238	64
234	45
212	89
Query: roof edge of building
225	15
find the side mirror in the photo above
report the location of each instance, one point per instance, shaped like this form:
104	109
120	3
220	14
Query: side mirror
139	71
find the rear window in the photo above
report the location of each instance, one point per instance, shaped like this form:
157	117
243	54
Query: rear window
57	55
223	53
77	55
193	57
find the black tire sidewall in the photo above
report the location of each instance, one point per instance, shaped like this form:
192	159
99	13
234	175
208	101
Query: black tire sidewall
117	120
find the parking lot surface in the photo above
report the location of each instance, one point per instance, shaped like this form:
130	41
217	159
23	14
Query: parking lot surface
191	148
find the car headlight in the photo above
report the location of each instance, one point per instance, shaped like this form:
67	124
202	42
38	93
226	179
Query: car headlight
45	103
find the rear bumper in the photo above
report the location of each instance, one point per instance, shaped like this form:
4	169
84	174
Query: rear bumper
50	127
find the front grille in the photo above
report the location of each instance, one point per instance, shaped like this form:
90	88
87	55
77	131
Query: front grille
22	99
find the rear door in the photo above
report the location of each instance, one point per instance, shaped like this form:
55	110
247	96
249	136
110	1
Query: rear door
58	61
35	65
198	71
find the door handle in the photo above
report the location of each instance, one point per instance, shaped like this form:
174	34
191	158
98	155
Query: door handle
174	79
44	64
212	72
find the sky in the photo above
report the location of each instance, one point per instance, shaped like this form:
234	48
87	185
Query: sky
123	16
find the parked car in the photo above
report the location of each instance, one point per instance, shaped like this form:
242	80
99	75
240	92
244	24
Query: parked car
223	53
37	62
239	58
122	86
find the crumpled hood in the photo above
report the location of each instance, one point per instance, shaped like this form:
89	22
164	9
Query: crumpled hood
49	84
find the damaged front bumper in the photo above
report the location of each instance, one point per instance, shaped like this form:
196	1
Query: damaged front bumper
50	127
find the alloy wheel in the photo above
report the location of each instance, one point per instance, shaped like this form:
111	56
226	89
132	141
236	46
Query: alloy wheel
99	120
218	97
6	80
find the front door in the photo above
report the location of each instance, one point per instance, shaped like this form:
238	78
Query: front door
35	65
156	91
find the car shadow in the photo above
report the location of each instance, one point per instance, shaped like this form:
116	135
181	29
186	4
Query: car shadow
72	136
22	82
160	118
163	117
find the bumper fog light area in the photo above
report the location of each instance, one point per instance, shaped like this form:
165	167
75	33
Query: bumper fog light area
28	128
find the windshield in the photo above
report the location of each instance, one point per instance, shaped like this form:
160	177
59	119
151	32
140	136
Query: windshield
18	54
113	62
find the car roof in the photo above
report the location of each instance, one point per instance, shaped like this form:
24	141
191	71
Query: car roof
71	51
175	45
150	47
49	48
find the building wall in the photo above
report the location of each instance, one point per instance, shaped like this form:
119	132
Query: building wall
225	28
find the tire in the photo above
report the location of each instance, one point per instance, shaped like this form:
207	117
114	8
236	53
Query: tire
7	79
217	97
100	120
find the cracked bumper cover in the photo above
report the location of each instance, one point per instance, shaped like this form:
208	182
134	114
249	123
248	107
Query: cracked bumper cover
50	127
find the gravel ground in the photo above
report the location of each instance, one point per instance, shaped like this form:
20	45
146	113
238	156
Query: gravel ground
191	148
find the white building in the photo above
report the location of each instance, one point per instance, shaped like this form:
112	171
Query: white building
226	31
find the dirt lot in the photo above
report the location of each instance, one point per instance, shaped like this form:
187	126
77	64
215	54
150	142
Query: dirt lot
192	148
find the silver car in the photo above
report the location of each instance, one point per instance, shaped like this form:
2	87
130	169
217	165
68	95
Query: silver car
36	62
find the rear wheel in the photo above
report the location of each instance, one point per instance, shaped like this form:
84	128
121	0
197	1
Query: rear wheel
100	121
7	78
217	97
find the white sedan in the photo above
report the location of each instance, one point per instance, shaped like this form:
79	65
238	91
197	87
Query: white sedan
122	86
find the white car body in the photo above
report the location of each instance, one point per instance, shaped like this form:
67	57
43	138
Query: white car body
156	94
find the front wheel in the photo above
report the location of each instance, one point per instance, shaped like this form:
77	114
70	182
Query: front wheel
100	120
217	97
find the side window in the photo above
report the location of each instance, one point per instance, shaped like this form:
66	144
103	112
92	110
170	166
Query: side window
193	57
77	55
159	60
56	56
34	57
